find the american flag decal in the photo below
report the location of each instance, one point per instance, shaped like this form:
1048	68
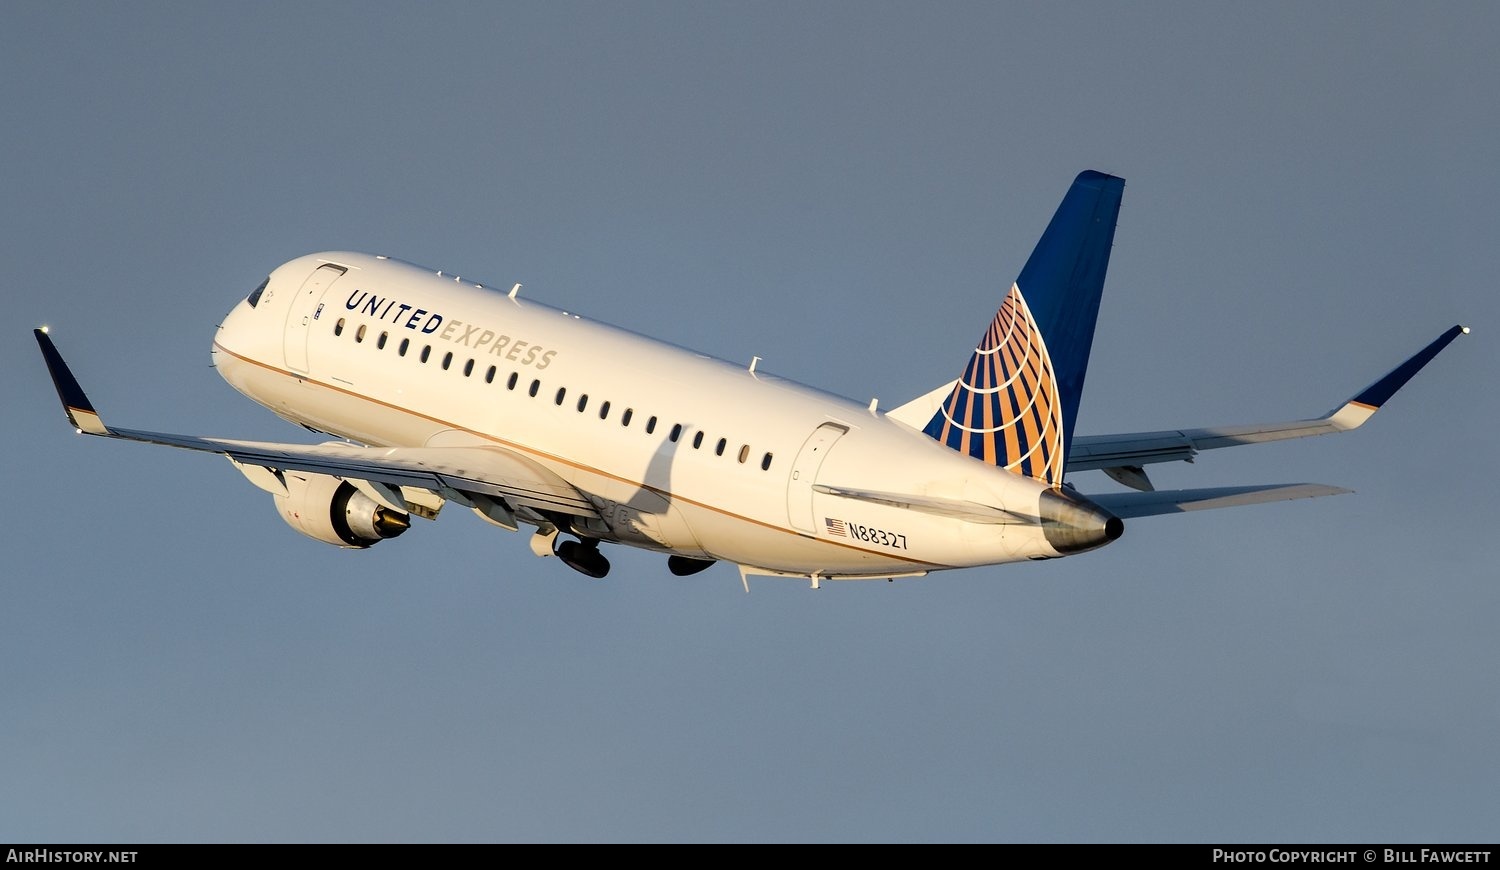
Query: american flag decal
1005	409
835	527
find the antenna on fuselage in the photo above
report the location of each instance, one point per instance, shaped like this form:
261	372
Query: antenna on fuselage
514	290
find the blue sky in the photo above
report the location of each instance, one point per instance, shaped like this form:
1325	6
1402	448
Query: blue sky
844	189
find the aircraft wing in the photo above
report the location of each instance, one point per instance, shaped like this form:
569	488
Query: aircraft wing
1122	456
452	472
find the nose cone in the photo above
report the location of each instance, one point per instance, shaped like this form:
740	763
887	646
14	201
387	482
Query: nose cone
242	335
1074	524
228	334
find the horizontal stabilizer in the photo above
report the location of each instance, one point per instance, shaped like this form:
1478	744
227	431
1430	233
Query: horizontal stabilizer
1149	504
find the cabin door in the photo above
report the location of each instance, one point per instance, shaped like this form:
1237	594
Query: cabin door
799	488
305	311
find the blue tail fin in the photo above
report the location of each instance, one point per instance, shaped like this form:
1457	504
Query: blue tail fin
1017	400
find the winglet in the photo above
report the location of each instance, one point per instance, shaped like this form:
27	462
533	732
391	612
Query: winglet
1377	393
1369	400
76	405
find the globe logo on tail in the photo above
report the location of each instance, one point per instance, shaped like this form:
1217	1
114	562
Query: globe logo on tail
1005	409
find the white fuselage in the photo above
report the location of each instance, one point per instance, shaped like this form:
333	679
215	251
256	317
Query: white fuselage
392	354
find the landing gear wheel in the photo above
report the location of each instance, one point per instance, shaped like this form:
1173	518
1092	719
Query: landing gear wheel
584	557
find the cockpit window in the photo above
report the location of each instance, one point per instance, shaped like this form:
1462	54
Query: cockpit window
254	298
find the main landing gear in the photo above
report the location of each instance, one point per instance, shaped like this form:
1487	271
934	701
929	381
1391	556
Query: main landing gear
583	556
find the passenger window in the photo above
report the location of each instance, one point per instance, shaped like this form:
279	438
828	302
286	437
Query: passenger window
468	368
744	453
511	384
719	448
697	439
676	432
765	464
650	425
405	343
447	360
561	392
359	334
625	417
489	376
535	385
604	411
380	342
426	352
583	402
338	328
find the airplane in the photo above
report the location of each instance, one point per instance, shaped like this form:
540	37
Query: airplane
444	390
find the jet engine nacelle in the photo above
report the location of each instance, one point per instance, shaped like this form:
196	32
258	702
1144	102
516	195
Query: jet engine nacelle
331	510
